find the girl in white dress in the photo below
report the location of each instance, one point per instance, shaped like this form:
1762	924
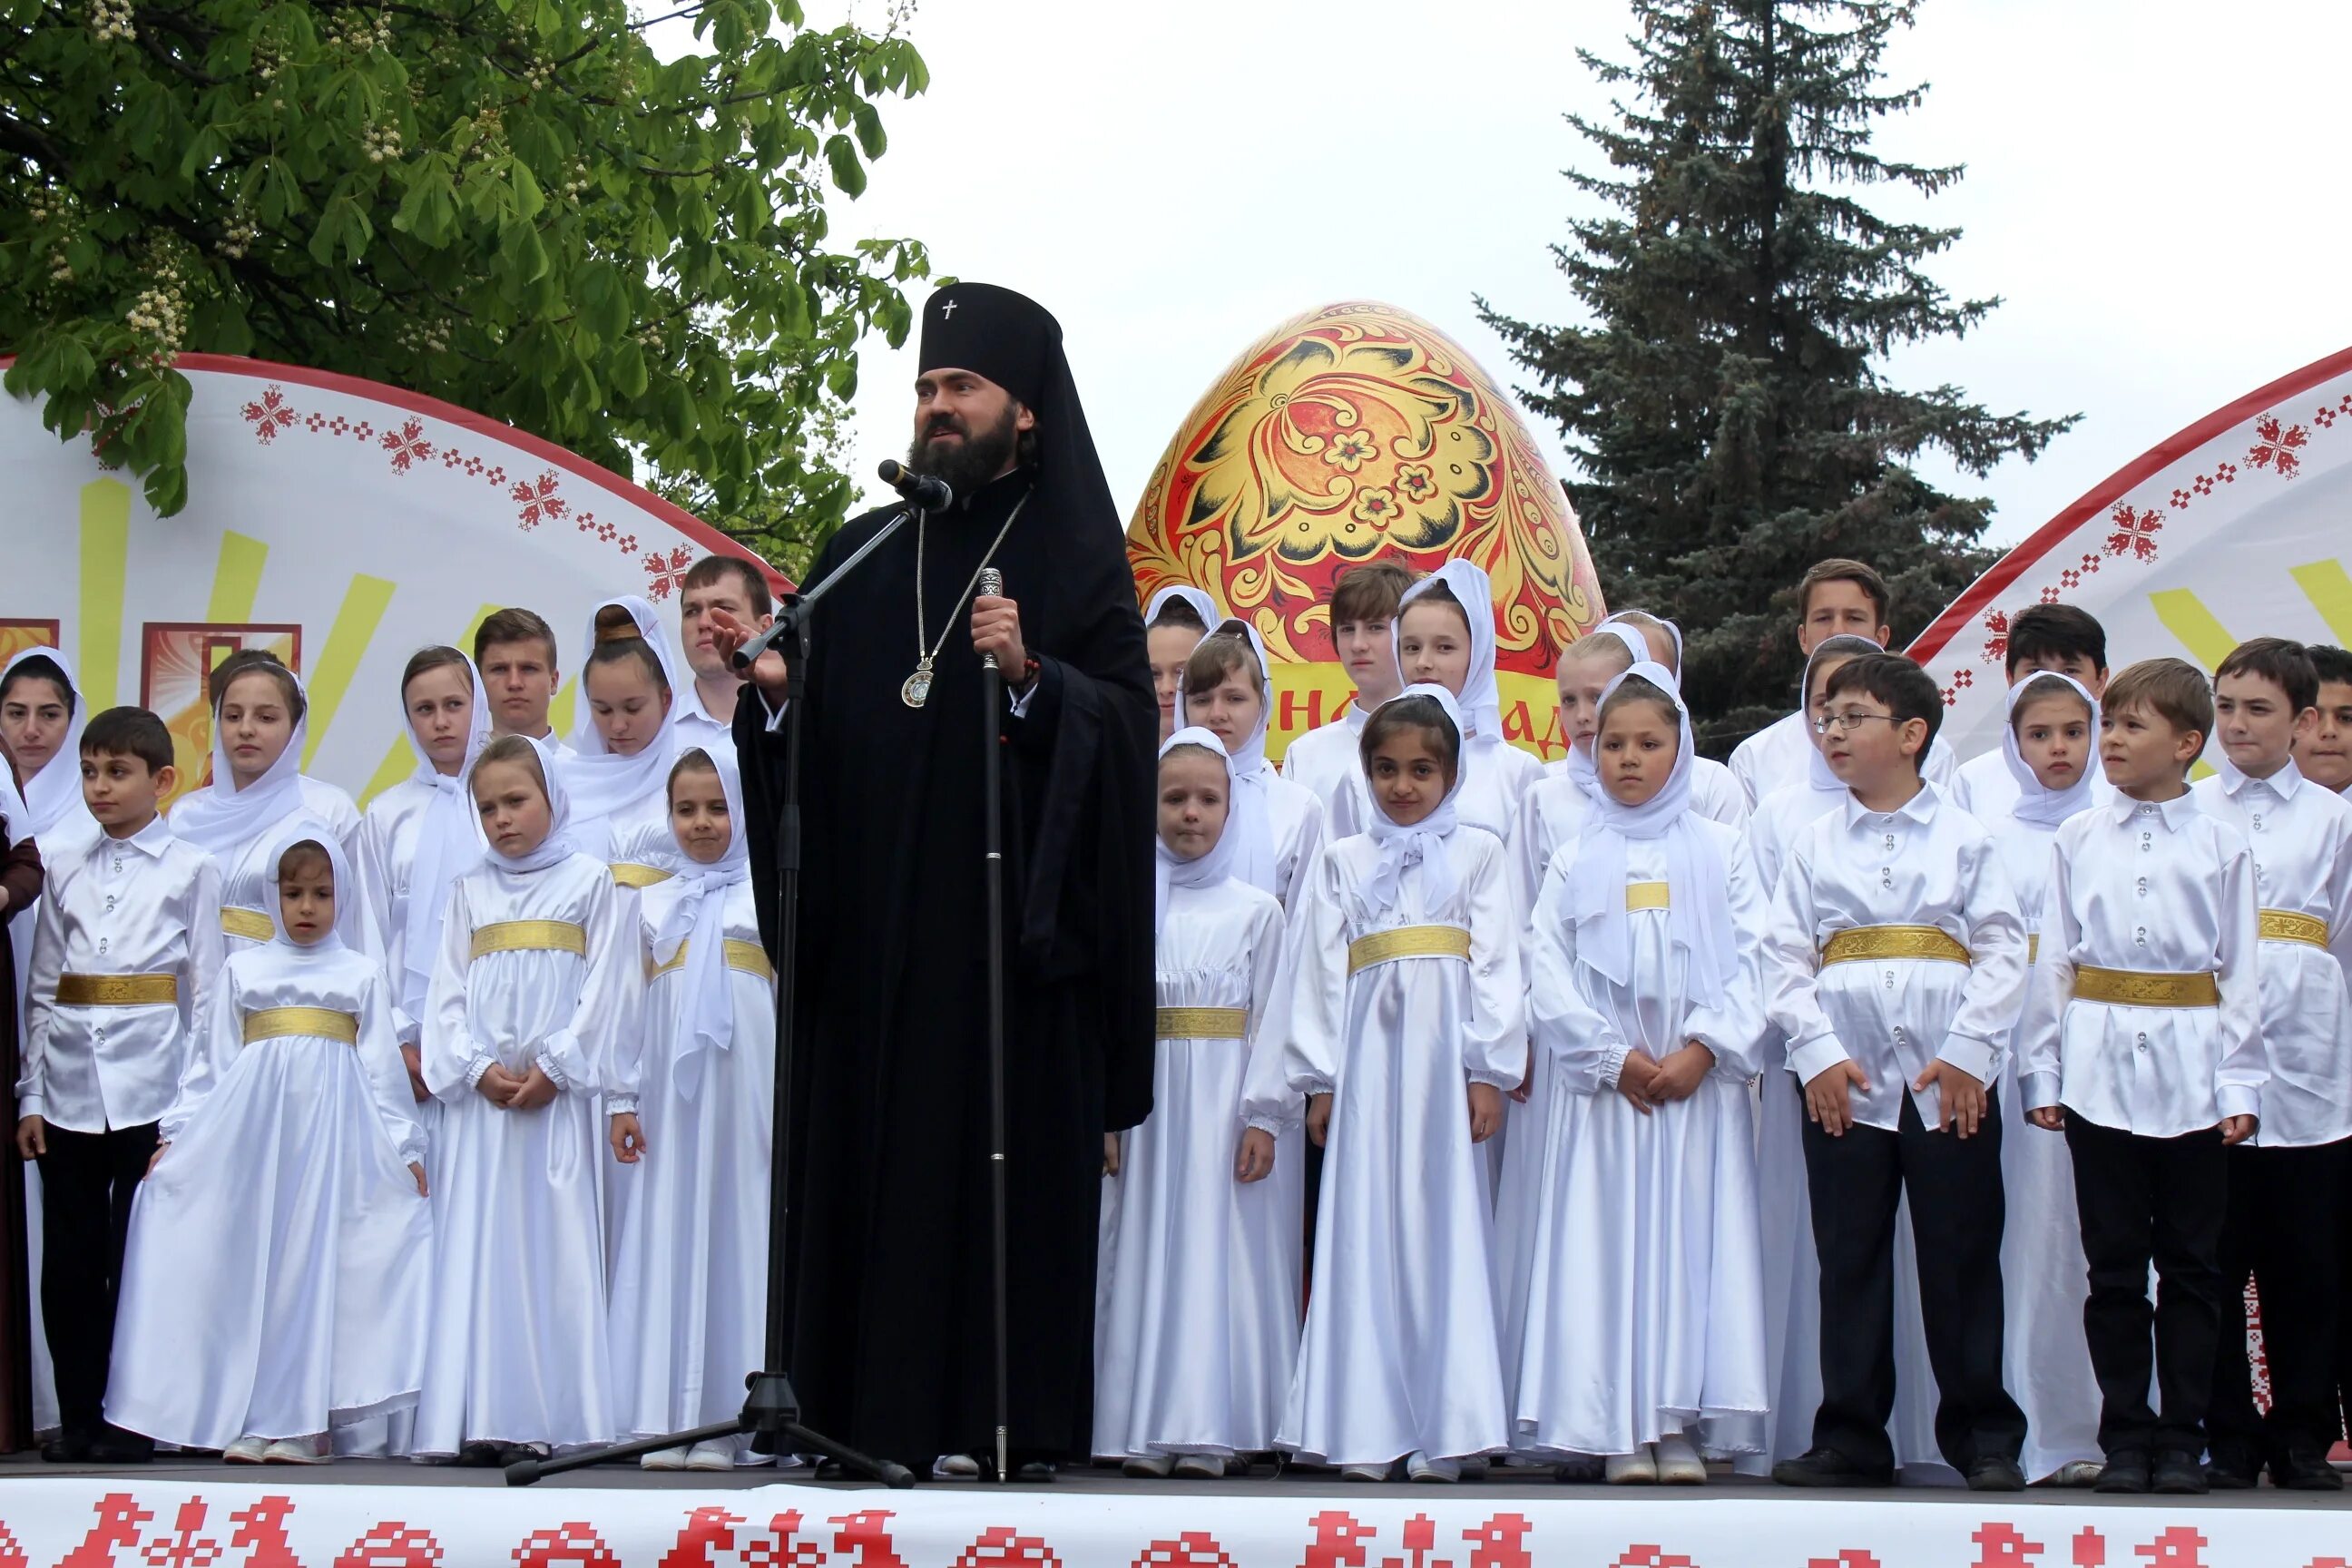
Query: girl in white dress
261	726
626	745
1196	1337
1399	1014
1644	1317
1227	690
1174	621
539	980
2050	745
274	1285
419	834
691	1284
1445	637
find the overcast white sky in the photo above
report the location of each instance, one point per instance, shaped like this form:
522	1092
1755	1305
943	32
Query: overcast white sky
2157	189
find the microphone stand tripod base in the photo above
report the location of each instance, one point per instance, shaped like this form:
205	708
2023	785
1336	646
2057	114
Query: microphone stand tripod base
771	1417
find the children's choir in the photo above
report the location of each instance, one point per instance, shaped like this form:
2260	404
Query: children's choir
1847	1098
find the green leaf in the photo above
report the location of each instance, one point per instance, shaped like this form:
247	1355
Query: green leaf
868	121
522	260
626	368
847	173
429	209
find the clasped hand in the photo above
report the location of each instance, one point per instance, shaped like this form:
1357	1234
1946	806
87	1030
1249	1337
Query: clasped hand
507	1092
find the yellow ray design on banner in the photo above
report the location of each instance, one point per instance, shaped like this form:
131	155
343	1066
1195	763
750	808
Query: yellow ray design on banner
105	556
2324	583
2184	615
236	579
347	639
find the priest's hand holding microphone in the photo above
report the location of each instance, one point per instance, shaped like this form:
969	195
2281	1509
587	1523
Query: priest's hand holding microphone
995	628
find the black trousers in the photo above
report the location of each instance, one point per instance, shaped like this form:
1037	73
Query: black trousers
2281	1203
1855	1182
2143	1201
88	1180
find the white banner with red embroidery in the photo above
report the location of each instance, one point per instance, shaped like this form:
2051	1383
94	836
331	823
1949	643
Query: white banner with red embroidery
152	1522
341	524
2240	526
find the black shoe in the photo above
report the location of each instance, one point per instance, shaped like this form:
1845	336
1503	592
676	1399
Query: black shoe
2125	1472
1996	1473
479	1456
1036	1472
2231	1467
2304	1470
1828	1468
115	1446
68	1449
2177	1474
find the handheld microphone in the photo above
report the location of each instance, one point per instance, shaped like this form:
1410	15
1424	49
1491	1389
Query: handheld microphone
929	492
991	586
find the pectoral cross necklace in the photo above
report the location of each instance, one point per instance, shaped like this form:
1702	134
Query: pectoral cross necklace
916	688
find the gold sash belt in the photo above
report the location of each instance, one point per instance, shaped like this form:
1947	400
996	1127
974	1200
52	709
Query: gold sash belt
1408	942
1864	942
1200	1022
2146	988
250	924
1647	896
629	874
2286	925
524	936
2033	950
118	990
748	956
322	1023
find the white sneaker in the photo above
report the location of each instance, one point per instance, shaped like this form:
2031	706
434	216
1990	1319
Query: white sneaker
1201	1468
663	1460
1147	1466
247	1450
718	1454
955	1468
2078	1473
1638	1468
1678	1462
1420	1466
296	1451
1365	1472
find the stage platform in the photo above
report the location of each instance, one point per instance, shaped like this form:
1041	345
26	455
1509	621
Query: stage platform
361	1514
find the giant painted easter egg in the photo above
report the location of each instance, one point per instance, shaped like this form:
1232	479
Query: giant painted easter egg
1351	433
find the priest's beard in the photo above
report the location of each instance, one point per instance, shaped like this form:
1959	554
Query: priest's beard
979	457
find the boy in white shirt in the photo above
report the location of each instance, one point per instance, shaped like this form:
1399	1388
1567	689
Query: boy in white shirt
1894	964
515	651
1363	604
2286	1183
2142	1039
2061	640
128	945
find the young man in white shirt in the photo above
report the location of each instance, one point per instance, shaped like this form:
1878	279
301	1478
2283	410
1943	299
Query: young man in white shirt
705	711
1836	598
124	956
1363	606
2059	638
515	651
1893	964
2286	1183
2141	1038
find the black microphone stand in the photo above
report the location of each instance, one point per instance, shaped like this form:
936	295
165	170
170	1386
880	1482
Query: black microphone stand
770	1414
991	582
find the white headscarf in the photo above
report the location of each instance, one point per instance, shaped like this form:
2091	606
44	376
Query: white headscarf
2047	807
554	849
1480	702
449	845
1202	606
1698	906
1252	827
218	819
1674	631
54	795
1215	865
706	1004
1580	766
345	933
1420	843
601	781
1845	645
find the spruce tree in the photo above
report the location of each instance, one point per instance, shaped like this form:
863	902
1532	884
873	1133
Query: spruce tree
1725	401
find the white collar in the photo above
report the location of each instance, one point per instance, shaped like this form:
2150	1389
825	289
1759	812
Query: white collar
2122	808
2283	783
153	839
1920	807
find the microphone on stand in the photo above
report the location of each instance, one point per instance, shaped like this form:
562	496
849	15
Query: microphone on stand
927	492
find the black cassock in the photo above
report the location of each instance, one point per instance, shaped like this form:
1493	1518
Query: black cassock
891	1254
